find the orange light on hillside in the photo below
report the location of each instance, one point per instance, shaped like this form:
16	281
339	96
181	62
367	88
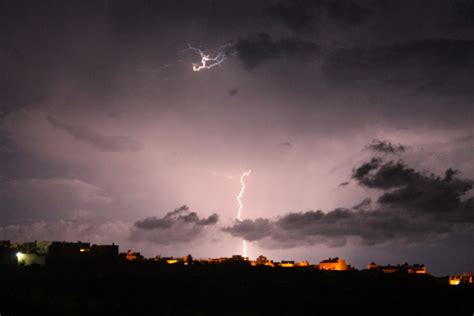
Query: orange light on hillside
454	280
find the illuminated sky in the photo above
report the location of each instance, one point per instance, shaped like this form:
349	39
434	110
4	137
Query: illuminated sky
106	132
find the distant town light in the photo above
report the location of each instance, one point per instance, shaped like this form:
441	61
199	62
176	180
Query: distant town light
454	280
287	264
20	257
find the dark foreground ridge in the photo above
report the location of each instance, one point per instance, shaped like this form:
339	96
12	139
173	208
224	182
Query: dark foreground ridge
63	278
144	288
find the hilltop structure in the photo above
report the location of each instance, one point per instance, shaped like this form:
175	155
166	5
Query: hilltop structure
464	279
334	264
415	268
61	253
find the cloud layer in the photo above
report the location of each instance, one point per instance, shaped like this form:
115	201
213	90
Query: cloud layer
262	47
46	199
414	207
180	225
100	142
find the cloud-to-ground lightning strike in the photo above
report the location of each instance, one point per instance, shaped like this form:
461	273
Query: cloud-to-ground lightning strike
207	61
241	193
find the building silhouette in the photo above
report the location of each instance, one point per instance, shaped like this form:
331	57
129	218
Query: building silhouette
333	264
62	253
407	268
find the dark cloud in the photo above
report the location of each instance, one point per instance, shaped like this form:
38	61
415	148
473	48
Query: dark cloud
365	204
429	193
411	189
180	225
100	142
463	13
285	144
295	15
251	229
233	92
364	169
262	47
347	12
414	207
384	146
308	16
334	228
180	214
434	66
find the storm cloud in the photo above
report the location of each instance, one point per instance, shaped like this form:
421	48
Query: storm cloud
384	146
262	47
180	225
336	227
405	187
307	16
414	207
432	66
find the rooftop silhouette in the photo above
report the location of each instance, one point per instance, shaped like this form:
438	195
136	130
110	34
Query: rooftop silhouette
77	278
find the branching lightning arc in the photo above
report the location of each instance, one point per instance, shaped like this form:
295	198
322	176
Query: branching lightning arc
208	61
241	193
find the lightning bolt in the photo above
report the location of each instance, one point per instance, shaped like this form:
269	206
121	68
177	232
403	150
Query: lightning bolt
239	197
242	191
208	61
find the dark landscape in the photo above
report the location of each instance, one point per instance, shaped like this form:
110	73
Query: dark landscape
63	278
150	289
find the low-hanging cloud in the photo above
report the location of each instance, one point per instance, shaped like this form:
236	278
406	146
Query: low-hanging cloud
336	227
180	225
414	207
405	187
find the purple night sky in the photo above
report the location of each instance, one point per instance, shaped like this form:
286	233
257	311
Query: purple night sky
355	117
